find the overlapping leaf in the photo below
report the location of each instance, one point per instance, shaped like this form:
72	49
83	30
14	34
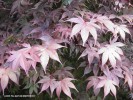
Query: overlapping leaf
64	86
128	79
108	84
122	30
93	81
91	52
48	50
5	75
127	67
48	83
106	22
24	58
64	72
84	28
111	52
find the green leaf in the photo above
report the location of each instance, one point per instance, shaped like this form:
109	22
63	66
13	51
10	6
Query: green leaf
31	89
67	2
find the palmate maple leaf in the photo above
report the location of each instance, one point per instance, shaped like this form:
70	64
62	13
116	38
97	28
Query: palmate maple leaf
110	75
108	85
122	30
18	59
91	52
93	81
127	66
111	52
128	18
63	30
48	50
5	75
64	85
129	79
48	83
24	58
105	21
64	72
109	80
84	28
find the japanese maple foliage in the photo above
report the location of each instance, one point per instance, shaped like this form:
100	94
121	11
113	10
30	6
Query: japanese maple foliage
5	75
55	46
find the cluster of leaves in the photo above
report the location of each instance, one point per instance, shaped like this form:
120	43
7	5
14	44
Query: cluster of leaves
39	37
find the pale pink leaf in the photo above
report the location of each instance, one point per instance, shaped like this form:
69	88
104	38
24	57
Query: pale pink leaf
44	60
119	50
116	55
23	63
102	50
112	60
53	85
58	89
76	29
89	85
118	44
66	90
109	25
113	89
84	35
101	84
96	91
4	82
53	54
64	85
13	77
45	86
93	32
71	85
105	57
76	20
122	33
128	79
124	28
106	89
